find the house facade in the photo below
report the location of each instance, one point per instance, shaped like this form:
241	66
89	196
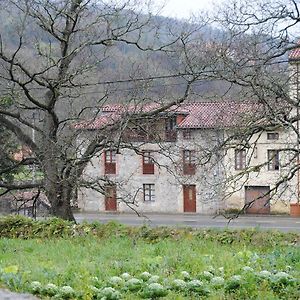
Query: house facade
178	165
176	162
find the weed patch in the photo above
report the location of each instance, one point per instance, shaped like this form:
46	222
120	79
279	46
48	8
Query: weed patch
61	260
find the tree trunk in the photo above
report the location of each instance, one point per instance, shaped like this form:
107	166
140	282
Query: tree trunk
60	196
63	210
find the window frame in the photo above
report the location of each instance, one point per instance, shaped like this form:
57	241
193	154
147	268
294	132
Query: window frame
187	134
111	158
272	135
147	162
190	158
273	159
240	159
170	123
189	162
110	161
149	192
147	157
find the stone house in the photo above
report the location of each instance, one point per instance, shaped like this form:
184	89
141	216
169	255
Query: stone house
173	163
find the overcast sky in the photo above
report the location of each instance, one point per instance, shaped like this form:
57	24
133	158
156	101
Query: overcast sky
183	8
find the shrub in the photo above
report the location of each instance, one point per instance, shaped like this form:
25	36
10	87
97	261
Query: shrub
133	284
217	282
109	293
198	287
233	283
264	274
35	287
126	276
50	289
116	281
206	275
145	276
185	275
26	228
178	285
153	279
154	291
66	292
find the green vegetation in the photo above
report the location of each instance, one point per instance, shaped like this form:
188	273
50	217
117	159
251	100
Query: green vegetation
62	260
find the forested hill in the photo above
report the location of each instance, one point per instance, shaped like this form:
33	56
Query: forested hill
121	60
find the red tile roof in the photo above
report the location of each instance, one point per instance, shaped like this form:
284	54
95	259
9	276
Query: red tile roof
218	114
99	122
197	114
295	53
142	108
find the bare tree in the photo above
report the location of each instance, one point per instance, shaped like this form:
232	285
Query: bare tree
58	64
258	56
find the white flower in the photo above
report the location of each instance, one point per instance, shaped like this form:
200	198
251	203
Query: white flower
198	287
155	286
282	275
116	281
67	292
109	293
35	287
153	279
126	276
194	284
264	274
233	283
179	284
134	284
207	275
50	289
236	278
247	269
154	290
94	289
211	269
288	268
217	281
283	278
145	275
185	275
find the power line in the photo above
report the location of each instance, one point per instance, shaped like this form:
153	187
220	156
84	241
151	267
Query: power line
178	75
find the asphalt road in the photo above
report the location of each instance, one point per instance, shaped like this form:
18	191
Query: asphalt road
281	223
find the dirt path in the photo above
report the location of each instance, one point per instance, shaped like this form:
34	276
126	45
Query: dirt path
7	295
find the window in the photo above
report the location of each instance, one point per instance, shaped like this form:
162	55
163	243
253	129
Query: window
189	165
110	161
187	134
148	163
149	192
170	127
171	123
272	135
273	160
240	159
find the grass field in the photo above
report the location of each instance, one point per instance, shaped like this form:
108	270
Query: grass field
182	264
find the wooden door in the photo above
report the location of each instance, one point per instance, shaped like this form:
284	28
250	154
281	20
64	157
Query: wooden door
189	198
110	198
260	202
